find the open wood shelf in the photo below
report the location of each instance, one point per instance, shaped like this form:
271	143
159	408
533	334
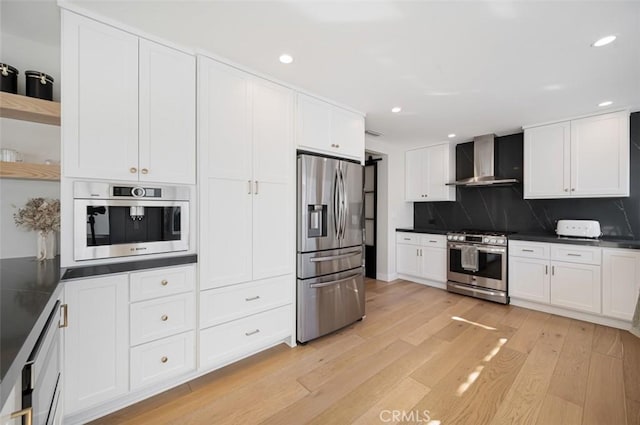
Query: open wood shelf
26	108
28	171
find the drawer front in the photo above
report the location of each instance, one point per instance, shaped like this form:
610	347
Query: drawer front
154	319
159	283
576	254
163	359
408	238
224	343
433	241
529	250
230	303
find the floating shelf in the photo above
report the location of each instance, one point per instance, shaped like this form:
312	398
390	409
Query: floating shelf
26	108
28	171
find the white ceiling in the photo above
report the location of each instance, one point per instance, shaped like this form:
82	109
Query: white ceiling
454	67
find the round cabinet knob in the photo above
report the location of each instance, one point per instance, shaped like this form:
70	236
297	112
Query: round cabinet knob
164	318
144	171
164	282
501	241
492	241
337	146
133	170
573	189
566	190
449	237
164	359
485	240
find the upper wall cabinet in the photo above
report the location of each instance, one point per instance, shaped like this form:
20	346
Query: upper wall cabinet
583	158
325	128
427	172
128	106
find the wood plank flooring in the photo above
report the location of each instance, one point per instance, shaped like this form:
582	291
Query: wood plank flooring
421	354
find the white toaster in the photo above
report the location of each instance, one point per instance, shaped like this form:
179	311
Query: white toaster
579	228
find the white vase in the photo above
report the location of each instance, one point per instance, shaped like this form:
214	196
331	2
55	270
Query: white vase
46	246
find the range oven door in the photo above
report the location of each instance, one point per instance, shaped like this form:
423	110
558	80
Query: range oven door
105	228
492	267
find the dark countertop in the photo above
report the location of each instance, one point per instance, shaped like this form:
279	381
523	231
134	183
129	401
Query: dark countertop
29	290
603	242
130	266
429	231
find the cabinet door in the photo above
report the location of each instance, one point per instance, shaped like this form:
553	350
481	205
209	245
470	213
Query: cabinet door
620	283
167	115
96	341
415	175
576	286
600	155
433	263
407	259
438	165
313	124
347	133
224	112
547	161
529	279
100	92
226	233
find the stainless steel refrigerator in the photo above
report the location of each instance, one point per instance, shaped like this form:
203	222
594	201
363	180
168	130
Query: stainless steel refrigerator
330	284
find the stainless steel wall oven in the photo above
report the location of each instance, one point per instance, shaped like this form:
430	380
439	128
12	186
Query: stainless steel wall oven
112	220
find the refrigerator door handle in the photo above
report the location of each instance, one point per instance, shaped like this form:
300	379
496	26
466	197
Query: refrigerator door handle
336	204
345	204
336	257
333	282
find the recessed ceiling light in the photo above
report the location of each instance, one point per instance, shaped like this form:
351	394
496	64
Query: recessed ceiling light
604	41
451	136
396	109
607	103
286	58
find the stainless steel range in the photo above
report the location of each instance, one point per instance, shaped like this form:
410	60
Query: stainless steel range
477	265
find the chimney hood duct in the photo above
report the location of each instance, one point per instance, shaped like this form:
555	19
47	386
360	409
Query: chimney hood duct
484	165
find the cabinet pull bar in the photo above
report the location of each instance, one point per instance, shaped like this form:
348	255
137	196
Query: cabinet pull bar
527	250
27	413
574	255
64	308
252	332
249	182
433	241
546	269
553	270
257	297
256	187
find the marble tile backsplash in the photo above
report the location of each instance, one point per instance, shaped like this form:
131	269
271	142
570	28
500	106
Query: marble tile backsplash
504	209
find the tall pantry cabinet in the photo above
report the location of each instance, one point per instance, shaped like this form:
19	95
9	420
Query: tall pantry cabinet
246	161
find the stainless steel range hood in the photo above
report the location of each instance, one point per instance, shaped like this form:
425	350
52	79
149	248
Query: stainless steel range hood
484	165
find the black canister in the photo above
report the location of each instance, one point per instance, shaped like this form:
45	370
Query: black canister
8	78
39	84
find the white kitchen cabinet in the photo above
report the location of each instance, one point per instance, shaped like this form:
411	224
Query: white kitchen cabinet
620	282
427	172
167	115
96	341
529	279
582	158
325	128
433	263
247	177
421	255
129	106
408	259
576	286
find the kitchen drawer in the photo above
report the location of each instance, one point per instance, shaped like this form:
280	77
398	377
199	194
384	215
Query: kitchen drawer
162	282
576	254
529	250
433	241
224	343
162	317
230	303
408	238
159	360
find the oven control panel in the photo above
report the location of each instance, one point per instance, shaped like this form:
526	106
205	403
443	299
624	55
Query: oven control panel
478	239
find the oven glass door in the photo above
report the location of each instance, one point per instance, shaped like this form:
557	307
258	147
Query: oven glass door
492	267
114	228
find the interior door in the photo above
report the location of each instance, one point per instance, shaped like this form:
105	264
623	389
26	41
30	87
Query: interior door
353	192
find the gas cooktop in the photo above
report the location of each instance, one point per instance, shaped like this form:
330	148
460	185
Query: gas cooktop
483	237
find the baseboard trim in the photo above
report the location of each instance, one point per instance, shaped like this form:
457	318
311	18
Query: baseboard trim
386	277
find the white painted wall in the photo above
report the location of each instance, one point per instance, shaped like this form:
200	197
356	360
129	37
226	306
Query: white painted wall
393	211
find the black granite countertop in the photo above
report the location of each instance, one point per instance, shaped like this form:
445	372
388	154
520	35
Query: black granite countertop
417	230
603	242
28	292
129	266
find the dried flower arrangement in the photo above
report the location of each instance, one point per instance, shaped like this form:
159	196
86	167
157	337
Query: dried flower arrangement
39	214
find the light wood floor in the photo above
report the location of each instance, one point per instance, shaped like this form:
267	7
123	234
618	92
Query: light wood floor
419	349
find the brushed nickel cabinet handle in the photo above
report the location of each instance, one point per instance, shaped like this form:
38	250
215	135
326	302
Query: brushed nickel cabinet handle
252	332
546	269
527	250
337	146
574	255
407	239
249	182
27	413
573	189
256	187
164	359
133	170
566	190
257	297
553	270
164	318
64	308
164	282
144	171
